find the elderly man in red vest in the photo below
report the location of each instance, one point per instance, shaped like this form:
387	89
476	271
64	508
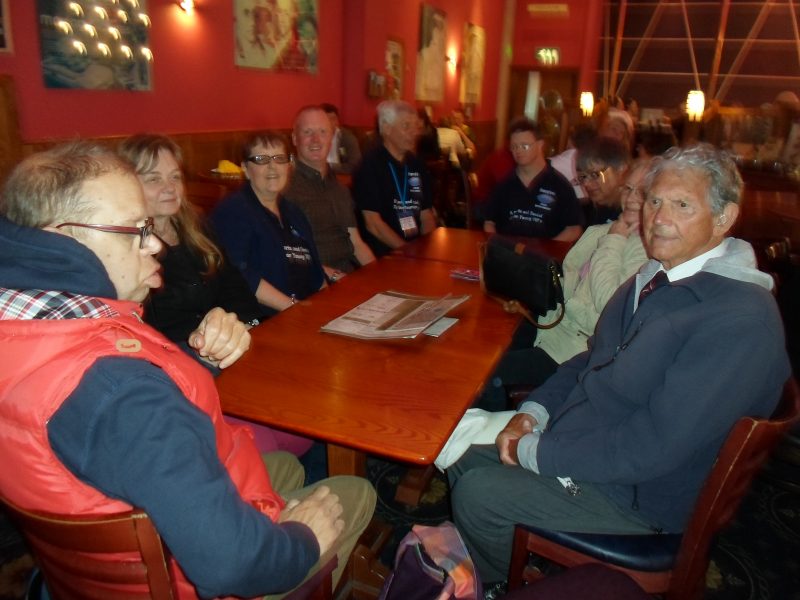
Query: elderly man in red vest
99	412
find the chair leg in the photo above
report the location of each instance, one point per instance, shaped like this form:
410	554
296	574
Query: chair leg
519	559
413	485
365	574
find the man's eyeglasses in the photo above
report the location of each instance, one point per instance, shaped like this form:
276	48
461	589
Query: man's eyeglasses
593	176
524	147
143	232
265	159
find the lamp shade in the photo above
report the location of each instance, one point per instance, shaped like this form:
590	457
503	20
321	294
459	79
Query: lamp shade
695	104
587	103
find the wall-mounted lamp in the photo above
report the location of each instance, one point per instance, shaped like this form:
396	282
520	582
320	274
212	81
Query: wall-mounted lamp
187	5
587	103
451	63
695	103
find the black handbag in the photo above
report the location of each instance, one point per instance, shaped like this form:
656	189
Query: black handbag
523	280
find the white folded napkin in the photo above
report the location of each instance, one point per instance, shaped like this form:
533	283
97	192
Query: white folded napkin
477	426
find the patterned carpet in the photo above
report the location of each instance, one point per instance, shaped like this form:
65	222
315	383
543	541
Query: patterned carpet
757	558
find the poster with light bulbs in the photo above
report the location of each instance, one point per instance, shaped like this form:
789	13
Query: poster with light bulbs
95	44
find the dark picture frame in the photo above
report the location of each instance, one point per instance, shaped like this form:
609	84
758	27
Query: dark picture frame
6	44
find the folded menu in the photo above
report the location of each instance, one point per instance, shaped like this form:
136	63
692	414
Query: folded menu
391	315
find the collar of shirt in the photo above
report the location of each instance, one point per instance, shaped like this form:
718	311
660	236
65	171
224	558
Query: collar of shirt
306	170
333	153
682	271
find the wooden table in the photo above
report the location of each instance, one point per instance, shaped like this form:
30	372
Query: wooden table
460	246
400	398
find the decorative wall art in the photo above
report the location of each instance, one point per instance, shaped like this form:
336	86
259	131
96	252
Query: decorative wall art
472	64
395	65
5	27
376	84
431	55
276	34
100	45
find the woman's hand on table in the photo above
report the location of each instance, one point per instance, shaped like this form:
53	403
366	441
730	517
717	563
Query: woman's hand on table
333	274
220	338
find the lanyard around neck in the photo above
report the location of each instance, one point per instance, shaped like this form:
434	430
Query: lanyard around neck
403	194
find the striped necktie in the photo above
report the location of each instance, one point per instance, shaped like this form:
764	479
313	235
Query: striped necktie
657	281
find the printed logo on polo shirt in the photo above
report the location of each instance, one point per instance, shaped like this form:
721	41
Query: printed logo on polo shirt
297	254
414	182
546	197
411	204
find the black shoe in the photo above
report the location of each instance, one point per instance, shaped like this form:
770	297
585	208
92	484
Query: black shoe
492	591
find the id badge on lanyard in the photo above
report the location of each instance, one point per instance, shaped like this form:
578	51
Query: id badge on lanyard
405	215
408	224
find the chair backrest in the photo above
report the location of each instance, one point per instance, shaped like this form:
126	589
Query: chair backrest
204	195
746	449
98	557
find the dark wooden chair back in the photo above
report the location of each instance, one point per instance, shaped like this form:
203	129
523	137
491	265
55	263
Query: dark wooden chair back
75	554
204	195
671	565
748	446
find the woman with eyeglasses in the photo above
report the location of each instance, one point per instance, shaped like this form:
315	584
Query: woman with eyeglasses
198	278
602	259
267	237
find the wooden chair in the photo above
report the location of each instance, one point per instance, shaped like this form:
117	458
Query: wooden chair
670	564
204	195
73	555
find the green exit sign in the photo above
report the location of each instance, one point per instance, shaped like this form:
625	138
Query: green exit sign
548	56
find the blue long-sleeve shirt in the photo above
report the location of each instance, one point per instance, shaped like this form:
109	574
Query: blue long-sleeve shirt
128	431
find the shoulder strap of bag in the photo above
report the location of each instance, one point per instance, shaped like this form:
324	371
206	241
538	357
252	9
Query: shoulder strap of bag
514	306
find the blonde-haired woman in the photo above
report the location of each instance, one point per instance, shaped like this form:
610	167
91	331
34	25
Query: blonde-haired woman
198	279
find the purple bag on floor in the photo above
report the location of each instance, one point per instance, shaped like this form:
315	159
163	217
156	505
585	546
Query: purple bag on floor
432	563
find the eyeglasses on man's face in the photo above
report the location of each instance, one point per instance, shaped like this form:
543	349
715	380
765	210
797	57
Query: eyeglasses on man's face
144	232
524	147
265	159
593	176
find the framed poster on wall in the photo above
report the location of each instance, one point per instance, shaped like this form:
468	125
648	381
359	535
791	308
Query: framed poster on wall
431	54
474	60
95	46
276	34
395	65
5	27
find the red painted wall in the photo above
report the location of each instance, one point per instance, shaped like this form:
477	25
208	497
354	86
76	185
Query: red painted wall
576	35
196	86
368	23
